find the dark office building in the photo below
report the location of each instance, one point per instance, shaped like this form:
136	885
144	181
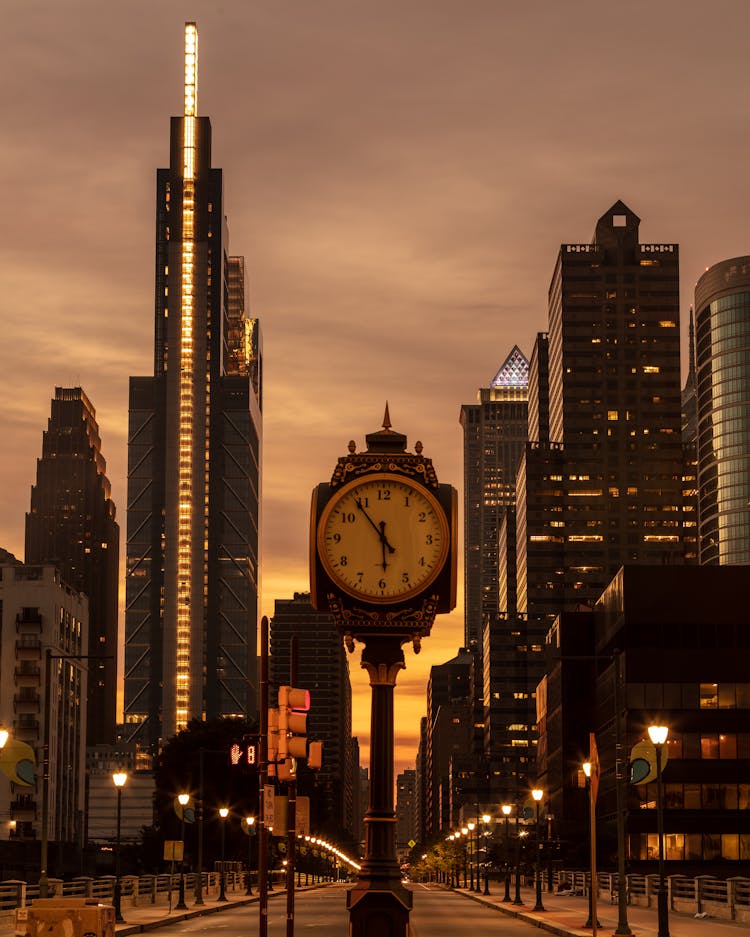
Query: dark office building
72	525
193	459
494	435
722	323
323	669
614	464
681	639
449	730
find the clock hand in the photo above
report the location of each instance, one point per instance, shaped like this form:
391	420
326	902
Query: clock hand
382	548
384	539
358	502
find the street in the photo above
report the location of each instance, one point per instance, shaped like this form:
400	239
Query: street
436	913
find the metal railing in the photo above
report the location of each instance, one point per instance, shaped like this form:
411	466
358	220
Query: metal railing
728	899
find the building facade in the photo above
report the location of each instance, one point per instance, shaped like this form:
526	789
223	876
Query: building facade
194	443
45	683
722	322
494	436
665	645
405	811
323	669
72	525
614	463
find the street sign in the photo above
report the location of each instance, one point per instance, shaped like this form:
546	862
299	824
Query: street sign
173	850
269	798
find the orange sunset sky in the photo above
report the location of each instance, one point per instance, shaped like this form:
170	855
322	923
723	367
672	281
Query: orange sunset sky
399	177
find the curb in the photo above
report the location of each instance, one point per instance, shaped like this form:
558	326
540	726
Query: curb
528	916
125	929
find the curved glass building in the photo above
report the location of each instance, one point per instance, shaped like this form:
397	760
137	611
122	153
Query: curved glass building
722	307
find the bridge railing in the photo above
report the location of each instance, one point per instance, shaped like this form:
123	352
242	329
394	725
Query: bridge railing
728	899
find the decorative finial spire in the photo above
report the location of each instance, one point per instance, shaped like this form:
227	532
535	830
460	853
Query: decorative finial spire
386	439
386	417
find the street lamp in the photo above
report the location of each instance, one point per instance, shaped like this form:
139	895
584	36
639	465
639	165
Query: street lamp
506	809
485	823
250	830
593	921
658	735
520	834
537	794
471	826
183	800
464	832
223	813
120	779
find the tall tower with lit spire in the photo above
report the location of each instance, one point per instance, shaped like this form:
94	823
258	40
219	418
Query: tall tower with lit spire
194	458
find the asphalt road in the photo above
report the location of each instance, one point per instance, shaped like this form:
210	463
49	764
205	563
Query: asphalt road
322	913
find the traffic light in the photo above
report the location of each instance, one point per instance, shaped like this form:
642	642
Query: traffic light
293	707
273	741
244	753
315	756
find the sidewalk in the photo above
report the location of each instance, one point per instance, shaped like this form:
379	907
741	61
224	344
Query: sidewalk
148	917
565	915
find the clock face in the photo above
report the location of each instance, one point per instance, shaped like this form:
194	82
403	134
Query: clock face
383	538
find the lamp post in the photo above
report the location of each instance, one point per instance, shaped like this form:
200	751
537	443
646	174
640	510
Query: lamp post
506	809
183	800
471	826
120	778
485	824
593	921
223	814
537	794
519	836
250	830
658	735
465	832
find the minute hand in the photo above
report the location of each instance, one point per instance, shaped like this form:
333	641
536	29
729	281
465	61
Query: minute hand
380	531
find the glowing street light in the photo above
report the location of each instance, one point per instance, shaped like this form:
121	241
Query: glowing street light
120	779
537	794
506	811
223	813
249	828
183	800
658	735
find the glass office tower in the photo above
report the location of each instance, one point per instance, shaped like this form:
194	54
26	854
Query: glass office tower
722	314
193	459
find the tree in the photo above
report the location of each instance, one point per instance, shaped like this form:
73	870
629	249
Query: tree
177	770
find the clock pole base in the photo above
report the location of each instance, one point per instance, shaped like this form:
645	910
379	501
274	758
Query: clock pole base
377	910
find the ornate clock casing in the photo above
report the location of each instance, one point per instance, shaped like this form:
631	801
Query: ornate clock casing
382	540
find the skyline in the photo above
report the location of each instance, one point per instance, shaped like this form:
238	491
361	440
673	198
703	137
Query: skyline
399	183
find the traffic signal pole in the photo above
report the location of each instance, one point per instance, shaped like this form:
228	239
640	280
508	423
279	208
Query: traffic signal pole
262	781
291	791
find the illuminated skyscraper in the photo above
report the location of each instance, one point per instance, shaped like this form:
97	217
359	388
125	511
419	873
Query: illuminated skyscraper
193	458
494	436
607	489
72	525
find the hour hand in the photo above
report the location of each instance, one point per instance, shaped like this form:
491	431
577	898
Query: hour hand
384	539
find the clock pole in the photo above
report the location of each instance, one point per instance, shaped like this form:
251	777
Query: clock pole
379	903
